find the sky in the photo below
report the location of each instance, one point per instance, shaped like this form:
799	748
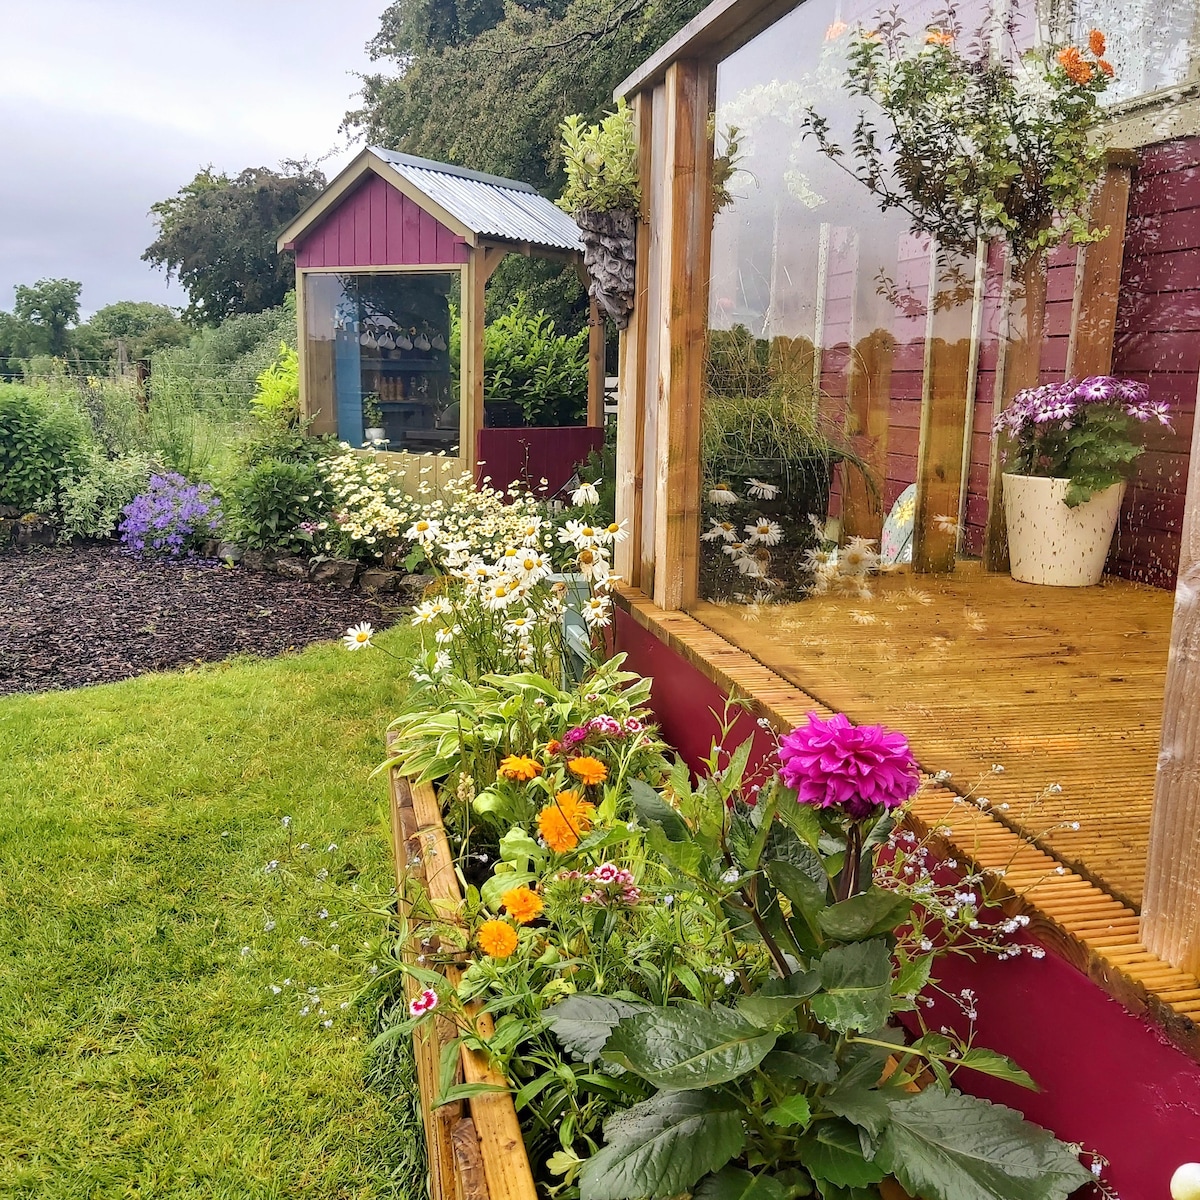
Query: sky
107	106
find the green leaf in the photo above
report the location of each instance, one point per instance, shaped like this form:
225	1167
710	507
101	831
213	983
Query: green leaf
732	1183
503	882
991	1062
518	848
778	997
802	1056
913	976
855	980
651	808
466	1091
793	1111
685	857
865	1107
690	1046
583	1023
662	1146
866	915
806	888
834	1155
947	1146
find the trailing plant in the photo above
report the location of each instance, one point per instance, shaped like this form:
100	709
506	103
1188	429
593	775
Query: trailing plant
40	439
971	144
1089	431
372	411
601	163
94	494
172	517
278	506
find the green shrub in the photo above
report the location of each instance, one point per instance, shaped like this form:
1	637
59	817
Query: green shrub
601	162
277	505
39	439
93	495
278	397
525	361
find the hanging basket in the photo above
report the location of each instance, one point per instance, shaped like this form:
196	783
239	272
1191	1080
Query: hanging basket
610	254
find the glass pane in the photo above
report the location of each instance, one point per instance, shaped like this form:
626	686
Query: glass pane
378	351
1151	43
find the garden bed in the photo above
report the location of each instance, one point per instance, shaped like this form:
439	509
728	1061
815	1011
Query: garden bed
91	614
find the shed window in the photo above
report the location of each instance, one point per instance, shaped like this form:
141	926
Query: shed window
379	357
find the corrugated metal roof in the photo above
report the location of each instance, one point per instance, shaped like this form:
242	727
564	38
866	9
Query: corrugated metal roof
491	206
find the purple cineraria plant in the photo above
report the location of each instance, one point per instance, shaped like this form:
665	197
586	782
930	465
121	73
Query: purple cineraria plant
171	516
1089	431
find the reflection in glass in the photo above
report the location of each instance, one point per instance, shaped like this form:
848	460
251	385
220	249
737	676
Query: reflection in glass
1150	42
378	348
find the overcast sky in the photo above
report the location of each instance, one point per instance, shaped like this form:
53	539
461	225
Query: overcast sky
107	106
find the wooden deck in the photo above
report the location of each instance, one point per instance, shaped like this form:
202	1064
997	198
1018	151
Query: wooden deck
1061	687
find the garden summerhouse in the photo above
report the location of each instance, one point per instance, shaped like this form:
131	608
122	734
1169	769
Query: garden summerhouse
392	260
796	350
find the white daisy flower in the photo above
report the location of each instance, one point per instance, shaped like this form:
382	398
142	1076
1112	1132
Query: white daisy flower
769	533
596	611
616	533
423	530
521	626
858	557
500	593
725	531
592	564
722	494
735	550
585	493
444	637
579	534
441	662
762	491
358	637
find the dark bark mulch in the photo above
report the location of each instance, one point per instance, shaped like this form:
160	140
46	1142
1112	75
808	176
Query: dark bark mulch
74	616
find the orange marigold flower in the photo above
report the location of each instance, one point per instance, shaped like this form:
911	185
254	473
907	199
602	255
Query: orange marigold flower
553	746
522	904
1096	43
1106	67
562	822
497	939
520	768
588	770
1077	68
939	37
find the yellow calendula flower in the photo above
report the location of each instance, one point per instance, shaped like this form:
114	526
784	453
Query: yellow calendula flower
497	939
522	904
520	768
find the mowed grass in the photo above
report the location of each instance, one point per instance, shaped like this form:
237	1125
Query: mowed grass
143	1052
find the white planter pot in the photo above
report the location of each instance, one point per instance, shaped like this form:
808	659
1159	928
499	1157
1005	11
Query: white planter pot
375	434
1051	543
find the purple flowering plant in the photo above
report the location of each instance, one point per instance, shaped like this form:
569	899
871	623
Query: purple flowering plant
172	516
1089	431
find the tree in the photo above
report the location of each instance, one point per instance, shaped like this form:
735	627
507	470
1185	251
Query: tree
217	236
47	309
142	326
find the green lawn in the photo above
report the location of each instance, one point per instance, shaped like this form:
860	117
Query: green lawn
143	1051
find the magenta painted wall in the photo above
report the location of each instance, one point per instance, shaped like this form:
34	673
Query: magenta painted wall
378	226
527	456
1111	1081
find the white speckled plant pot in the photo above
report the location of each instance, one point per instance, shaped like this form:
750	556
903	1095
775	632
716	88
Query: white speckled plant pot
1051	543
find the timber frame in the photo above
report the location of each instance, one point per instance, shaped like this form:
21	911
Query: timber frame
661	381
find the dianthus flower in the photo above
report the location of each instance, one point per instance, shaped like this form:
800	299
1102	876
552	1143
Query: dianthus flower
857	768
574	736
497	939
520	768
522	904
562	822
422	1003
589	771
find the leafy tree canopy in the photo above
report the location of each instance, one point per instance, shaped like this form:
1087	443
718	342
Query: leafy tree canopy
217	236
487	86
142	326
46	310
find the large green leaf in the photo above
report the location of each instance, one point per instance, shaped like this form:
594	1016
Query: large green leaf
778	997
867	1108
804	887
947	1146
833	1155
690	1046
732	1183
855	980
662	1146
789	1112
802	1056
584	1023
651	808
866	915
686	857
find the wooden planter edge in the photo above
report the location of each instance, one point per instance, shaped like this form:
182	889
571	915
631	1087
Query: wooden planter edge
475	1148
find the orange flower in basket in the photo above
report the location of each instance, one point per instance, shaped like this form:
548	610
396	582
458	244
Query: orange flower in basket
588	770
562	823
520	768
522	904
1106	67
939	37
497	939
1077	68
1096	43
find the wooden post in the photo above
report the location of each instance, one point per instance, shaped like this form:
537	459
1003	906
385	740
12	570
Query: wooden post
1023	306
1171	901
481	262
868	400
687	224
596	331
631	372
943	422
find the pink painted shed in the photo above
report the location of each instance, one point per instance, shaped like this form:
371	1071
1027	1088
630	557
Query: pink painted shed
384	256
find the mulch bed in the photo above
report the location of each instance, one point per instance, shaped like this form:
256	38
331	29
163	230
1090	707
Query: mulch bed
74	616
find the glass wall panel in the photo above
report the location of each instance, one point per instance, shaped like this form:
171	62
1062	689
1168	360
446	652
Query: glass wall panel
378	357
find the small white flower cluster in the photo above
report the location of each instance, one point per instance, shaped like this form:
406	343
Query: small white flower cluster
844	571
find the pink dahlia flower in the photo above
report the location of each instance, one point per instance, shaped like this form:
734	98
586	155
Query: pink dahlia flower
857	768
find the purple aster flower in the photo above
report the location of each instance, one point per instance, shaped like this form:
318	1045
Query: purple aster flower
859	769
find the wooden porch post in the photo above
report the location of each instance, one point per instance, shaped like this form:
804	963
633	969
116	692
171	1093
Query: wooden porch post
595	403
687	223
1171	904
631	373
481	262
